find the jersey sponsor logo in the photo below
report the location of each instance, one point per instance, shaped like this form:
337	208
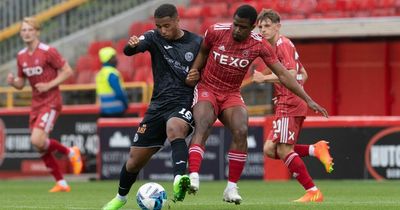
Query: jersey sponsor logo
32	71
167	47
189	56
230	61
382	155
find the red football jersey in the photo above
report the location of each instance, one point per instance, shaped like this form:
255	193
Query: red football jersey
41	67
286	102
229	60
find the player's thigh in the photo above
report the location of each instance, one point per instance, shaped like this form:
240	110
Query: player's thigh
138	157
39	138
151	131
204	104
204	115
180	123
286	129
236	119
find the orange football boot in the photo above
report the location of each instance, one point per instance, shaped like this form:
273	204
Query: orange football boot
59	188
321	151
311	196
76	161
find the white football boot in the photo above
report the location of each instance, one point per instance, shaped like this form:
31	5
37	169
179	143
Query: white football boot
194	183
231	195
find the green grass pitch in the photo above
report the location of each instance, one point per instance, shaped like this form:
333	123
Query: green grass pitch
257	195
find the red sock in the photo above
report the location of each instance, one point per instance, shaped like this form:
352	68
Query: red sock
298	169
54	145
302	149
51	163
196	152
237	160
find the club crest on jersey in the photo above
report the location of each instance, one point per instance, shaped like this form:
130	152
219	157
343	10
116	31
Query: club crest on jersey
189	56
246	53
32	71
230	61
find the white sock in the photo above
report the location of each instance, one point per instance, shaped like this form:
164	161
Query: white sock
71	153
313	189
121	198
63	183
311	150
177	177
231	185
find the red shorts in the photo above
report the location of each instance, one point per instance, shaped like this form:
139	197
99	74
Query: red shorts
44	118
220	101
286	130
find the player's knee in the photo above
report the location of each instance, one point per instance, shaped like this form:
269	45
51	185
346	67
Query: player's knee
240	132
176	132
269	151
38	143
132	166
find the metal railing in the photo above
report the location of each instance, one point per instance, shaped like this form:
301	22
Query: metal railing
139	92
89	13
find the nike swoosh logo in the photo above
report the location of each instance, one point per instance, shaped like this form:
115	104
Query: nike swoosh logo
180	162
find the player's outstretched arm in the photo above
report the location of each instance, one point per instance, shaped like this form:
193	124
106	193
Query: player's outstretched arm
260	77
290	83
64	73
16	82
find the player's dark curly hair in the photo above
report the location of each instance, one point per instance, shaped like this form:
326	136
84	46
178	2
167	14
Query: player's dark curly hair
166	10
248	12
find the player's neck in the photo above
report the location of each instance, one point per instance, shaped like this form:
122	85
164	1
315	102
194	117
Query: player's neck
32	45
179	34
274	39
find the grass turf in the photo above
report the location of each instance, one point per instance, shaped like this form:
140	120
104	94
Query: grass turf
257	195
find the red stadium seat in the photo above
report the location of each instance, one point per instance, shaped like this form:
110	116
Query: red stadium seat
95	46
143	74
196	11
191	24
86	77
219	9
86	63
120	45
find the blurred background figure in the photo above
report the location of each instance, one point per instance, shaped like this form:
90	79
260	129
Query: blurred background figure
110	86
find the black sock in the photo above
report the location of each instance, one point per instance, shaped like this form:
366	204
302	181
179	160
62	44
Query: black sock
179	156
126	181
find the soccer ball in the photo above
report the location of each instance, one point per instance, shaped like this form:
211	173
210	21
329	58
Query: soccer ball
151	196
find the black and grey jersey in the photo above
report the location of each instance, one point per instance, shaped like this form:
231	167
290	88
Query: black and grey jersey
171	61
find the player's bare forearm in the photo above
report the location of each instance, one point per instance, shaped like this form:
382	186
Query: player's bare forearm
304	74
201	57
65	72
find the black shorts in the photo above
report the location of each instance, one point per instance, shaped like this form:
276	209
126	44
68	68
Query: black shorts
152	131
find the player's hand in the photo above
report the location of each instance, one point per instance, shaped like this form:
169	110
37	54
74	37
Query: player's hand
193	77
10	79
258	77
42	87
317	108
133	41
